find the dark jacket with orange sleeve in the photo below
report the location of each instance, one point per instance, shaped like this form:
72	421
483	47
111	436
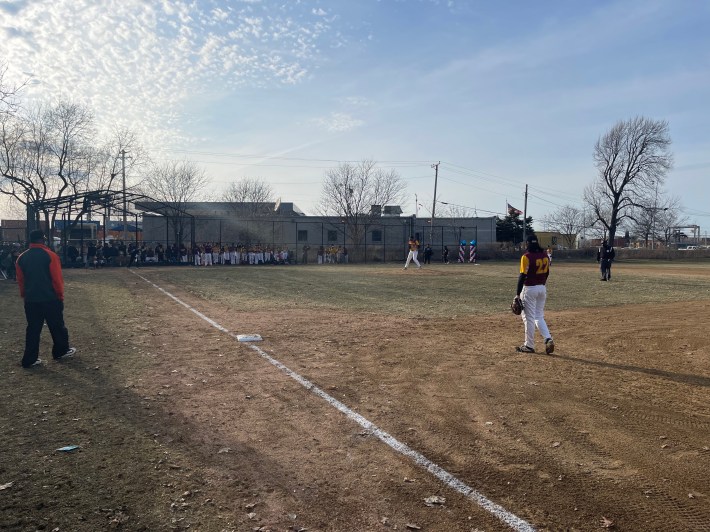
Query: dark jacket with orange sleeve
39	274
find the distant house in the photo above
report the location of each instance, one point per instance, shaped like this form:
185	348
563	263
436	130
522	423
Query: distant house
16	230
556	240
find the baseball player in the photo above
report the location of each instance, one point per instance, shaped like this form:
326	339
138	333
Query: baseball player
413	252
534	269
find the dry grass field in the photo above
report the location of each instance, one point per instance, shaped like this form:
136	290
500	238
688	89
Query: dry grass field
442	425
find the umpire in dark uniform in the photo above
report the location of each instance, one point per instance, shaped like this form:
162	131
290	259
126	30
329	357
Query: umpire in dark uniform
39	274
605	256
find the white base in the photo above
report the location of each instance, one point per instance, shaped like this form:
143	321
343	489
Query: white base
249	338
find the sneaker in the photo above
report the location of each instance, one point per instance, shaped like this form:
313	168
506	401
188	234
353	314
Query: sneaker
549	346
68	354
37	362
524	349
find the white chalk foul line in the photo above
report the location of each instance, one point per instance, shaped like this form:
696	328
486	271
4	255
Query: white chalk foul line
510	519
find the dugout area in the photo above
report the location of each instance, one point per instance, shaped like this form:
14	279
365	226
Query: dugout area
103	216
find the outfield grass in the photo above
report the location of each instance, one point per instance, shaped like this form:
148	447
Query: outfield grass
437	290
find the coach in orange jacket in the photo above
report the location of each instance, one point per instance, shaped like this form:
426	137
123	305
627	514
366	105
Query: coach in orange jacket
39	274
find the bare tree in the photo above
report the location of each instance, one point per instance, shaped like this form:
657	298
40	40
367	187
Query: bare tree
175	183
109	161
8	93
456	211
569	221
351	190
50	153
632	159
252	197
46	156
454	214
657	221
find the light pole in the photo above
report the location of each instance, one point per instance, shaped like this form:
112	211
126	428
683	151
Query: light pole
123	172
433	205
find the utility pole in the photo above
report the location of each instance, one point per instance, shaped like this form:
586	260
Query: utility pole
123	172
525	215
653	217
433	206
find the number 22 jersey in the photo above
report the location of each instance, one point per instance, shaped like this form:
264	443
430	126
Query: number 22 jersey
536	266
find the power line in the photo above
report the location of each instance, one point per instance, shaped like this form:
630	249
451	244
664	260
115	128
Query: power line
492	178
472	186
483	175
471	208
693	212
395	163
546	200
555	193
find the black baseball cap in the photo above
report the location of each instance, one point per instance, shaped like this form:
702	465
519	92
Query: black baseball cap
532	239
37	236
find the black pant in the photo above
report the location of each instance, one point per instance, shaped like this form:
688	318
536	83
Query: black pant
37	313
605	266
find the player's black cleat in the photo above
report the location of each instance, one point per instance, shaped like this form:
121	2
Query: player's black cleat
524	349
549	346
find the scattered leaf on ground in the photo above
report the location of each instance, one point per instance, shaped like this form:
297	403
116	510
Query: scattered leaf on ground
68	448
434	500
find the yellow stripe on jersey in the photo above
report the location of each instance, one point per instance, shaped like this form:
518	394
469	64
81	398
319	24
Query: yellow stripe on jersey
524	264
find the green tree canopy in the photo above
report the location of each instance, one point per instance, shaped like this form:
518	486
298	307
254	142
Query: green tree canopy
510	228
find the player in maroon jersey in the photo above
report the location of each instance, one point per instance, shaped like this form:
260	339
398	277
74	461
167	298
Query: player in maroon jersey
534	269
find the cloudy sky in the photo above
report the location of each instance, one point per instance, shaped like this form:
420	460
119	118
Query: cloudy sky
503	94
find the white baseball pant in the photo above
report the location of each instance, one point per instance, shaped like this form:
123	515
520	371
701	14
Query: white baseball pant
533	315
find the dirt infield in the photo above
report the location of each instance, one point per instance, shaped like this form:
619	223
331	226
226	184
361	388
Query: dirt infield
182	427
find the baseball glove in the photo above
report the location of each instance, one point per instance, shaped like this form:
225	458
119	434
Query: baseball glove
516	307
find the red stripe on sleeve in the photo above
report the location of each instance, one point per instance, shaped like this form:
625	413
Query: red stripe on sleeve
55	271
20	277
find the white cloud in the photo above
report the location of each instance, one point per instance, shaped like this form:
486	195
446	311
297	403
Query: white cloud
220	14
139	64
337	122
356	101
